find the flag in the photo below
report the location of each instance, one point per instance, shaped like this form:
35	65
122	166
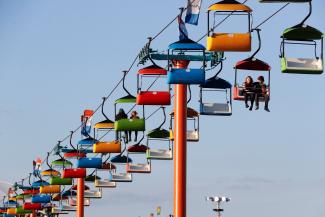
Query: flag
86	120
193	12
183	34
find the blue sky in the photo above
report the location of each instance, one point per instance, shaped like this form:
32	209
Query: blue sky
59	57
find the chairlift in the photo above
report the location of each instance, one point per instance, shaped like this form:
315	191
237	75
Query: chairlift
32	206
193	134
21	211
104	183
146	97
58	211
220	41
91	178
126	124
115	176
39	183
180	54
60	181
41	198
305	35
74	173
219	86
95	162
107	147
50	189
159	135
138	149
251	64
106	124
73	202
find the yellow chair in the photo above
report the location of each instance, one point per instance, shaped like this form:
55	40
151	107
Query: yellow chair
50	189
11	211
107	147
221	41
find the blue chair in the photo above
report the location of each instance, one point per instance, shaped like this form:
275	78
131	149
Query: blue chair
89	163
41	198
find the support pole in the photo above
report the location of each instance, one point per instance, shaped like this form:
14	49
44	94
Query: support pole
80	197
180	117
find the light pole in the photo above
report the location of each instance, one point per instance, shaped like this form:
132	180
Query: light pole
217	201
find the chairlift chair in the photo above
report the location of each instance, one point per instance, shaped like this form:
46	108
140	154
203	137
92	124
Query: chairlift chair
217	85
127	124
146	97
107	147
251	64
220	41
106	124
74	173
138	149
156	137
95	162
58	211
39	183
60	181
103	183
61	163
180	54
50	173
32	206
41	198
73	202
306	36
21	211
192	135
115	176
50	189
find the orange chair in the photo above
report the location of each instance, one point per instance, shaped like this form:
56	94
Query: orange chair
220	41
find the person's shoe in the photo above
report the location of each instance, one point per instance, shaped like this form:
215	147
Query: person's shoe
246	105
251	108
257	108
267	109
135	140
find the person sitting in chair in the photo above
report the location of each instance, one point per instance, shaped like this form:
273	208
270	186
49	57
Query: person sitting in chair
249	91
261	91
122	115
134	116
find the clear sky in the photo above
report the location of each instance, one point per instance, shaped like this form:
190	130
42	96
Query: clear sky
59	57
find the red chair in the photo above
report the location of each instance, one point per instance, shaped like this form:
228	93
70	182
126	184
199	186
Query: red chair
32	206
146	97
74	173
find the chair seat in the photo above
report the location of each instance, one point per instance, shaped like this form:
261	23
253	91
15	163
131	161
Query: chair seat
302	66
93	194
105	184
120	177
153	98
138	168
186	76
159	154
223	109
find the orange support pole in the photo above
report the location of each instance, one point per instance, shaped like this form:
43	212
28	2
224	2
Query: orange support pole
180	116
80	197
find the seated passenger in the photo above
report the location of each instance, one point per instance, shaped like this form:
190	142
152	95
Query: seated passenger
119	116
134	116
249	91
261	91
